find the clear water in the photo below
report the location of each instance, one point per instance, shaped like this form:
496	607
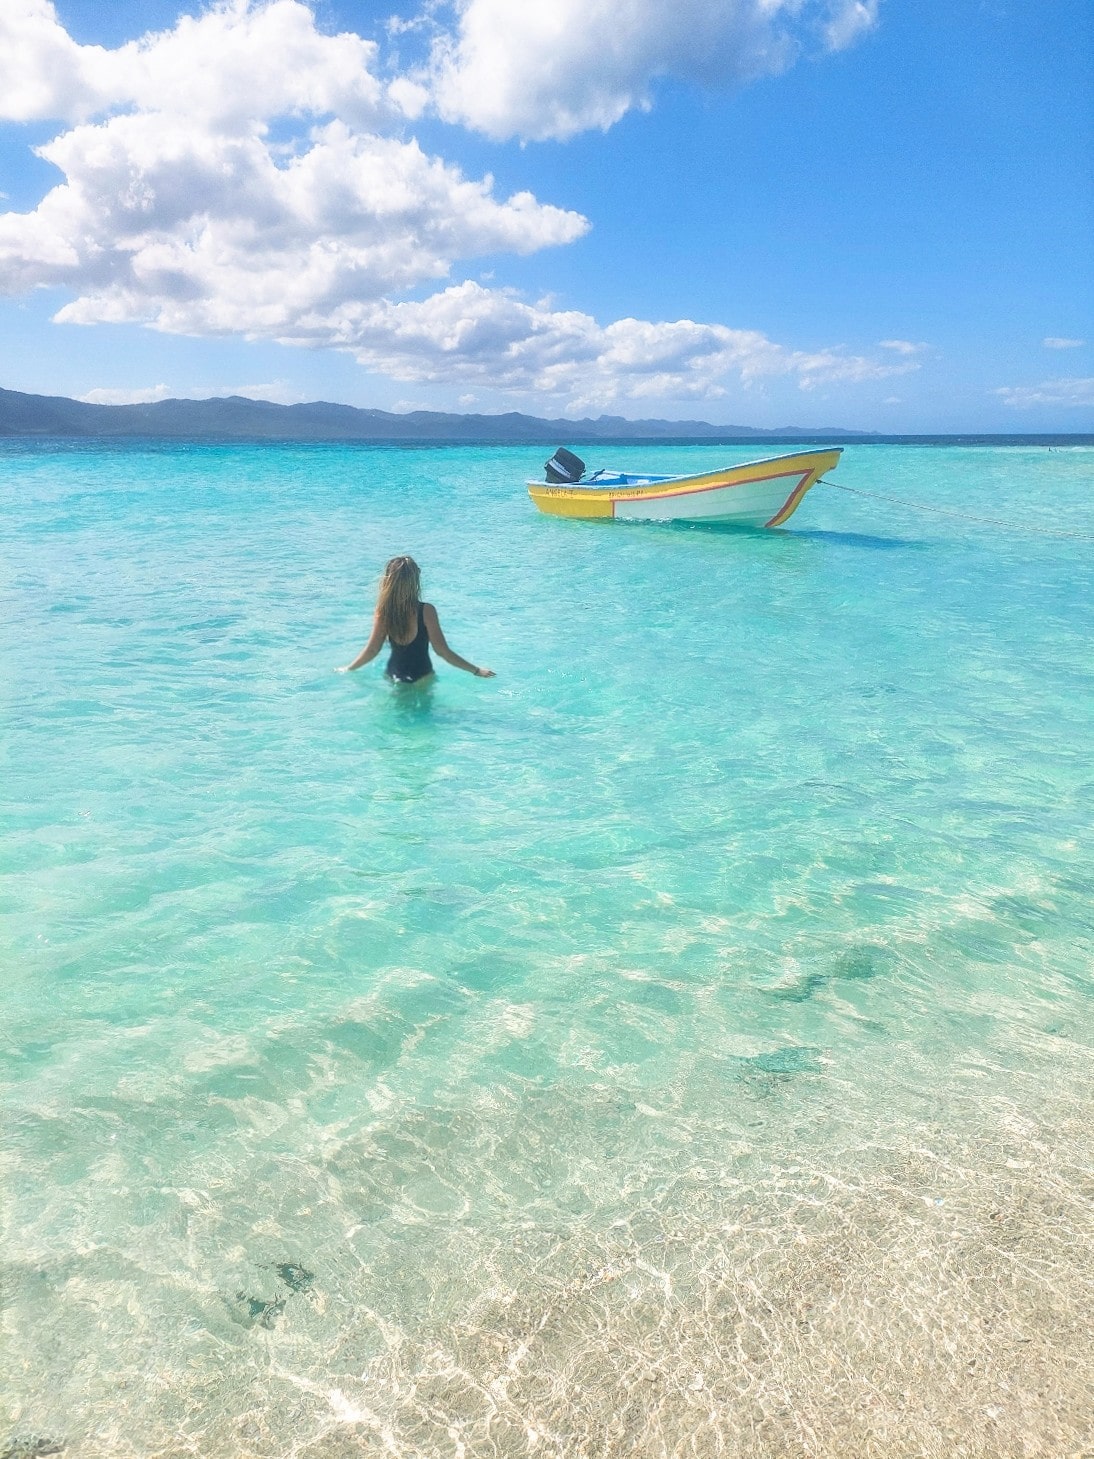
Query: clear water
679	1044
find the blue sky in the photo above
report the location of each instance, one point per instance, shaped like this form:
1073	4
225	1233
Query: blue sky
865	213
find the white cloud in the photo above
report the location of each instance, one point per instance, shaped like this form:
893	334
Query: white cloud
902	347
848	22
183	214
198	233
233	63
43	72
491	337
139	395
552	68
1054	342
278	391
1066	391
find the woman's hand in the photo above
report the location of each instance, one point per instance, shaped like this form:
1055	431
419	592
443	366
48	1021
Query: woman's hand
485	674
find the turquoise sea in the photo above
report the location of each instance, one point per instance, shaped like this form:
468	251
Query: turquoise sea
677	1045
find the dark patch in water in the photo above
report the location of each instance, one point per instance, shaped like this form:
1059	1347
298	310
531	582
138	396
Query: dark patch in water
794	1059
652	995
377	1047
862	963
858	539
31	1448
296	1278
255	1312
484	974
251	1311
856	965
1031	917
802	990
211	628
35	1053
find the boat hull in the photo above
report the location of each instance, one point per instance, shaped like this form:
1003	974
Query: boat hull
755	494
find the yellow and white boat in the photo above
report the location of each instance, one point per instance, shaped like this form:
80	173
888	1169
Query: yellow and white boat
755	494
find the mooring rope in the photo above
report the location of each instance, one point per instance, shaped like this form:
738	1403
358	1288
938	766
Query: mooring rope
962	516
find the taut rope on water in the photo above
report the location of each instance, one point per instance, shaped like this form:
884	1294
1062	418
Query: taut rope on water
962	516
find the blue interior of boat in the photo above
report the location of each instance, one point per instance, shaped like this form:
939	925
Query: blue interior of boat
620	478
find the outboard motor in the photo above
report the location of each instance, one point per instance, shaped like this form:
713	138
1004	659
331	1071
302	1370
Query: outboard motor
564	468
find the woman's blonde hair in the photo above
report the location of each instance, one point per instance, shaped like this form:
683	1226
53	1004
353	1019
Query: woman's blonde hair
400	594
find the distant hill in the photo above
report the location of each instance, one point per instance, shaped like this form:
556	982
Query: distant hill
234	417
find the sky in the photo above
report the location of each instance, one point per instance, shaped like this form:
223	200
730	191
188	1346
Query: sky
868	214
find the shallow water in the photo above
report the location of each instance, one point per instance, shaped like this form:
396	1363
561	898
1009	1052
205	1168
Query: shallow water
679	1044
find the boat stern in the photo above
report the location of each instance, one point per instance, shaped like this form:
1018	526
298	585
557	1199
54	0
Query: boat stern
565	501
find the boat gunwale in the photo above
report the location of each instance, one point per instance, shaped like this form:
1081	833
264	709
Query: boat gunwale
686	484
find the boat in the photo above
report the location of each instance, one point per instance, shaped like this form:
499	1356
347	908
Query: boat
754	494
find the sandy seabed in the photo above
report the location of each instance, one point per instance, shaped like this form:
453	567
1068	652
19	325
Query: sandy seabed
899	1291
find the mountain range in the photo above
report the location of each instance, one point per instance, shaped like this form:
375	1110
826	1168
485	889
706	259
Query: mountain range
235	417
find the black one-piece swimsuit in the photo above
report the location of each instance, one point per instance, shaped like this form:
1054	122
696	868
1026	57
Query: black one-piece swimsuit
411	661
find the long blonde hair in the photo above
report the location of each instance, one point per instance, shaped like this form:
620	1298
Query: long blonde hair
399	596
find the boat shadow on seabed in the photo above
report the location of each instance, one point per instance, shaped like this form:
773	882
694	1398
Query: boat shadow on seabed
863	540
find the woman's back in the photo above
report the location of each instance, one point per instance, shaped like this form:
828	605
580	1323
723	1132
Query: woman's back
410	661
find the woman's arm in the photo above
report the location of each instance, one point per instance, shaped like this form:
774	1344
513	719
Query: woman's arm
370	650
439	644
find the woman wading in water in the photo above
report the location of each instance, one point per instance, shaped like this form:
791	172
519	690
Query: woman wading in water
410	626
